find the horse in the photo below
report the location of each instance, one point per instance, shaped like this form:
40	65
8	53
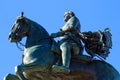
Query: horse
38	58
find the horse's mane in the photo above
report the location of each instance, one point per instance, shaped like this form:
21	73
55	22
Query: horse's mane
29	21
33	24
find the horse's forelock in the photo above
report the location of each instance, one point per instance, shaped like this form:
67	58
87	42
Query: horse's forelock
30	22
23	18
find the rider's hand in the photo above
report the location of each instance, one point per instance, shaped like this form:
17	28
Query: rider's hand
53	35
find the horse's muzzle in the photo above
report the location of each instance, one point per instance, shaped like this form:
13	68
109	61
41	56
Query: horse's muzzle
13	38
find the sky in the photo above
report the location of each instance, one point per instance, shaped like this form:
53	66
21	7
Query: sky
93	15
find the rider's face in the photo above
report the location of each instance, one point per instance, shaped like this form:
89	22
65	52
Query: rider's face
66	17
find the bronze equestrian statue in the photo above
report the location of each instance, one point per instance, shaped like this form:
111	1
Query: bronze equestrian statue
40	56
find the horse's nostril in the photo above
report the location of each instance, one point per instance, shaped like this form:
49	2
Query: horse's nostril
9	36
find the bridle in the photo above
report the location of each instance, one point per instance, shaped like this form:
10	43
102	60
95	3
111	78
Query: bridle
21	44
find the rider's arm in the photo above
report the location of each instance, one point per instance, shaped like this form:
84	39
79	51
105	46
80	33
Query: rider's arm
58	34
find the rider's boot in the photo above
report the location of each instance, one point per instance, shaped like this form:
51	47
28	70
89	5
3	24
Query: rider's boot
60	69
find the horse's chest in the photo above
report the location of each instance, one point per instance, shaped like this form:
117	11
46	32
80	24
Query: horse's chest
36	54
31	56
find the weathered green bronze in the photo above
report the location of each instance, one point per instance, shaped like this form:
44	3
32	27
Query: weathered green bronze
70	44
41	53
97	43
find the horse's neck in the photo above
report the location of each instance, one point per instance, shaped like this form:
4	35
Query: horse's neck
37	36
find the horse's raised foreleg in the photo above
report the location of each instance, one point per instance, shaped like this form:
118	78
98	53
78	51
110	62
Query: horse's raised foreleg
19	72
11	77
25	71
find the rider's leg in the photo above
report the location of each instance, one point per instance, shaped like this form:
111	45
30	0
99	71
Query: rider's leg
66	54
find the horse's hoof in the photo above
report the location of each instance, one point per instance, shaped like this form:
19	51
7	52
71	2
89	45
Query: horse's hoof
11	77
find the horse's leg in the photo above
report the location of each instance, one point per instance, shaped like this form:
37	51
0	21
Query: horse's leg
11	77
19	72
23	71
32	68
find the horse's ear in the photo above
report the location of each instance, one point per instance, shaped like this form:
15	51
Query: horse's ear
22	13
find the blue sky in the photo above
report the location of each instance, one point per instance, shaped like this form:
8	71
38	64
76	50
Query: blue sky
93	15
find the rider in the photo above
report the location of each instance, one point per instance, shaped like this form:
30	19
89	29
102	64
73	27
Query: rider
70	44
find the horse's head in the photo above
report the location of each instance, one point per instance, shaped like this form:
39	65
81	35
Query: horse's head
19	30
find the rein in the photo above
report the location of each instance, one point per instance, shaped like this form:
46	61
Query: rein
41	39
21	44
